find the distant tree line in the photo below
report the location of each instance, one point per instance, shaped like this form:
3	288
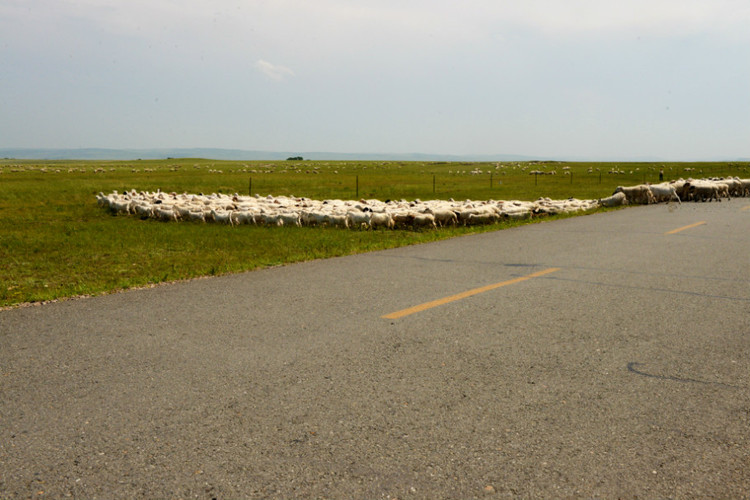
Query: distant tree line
295	158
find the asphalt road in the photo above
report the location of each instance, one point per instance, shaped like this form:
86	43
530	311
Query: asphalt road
618	367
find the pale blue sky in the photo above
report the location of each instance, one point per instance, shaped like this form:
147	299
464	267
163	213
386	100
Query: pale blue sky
574	78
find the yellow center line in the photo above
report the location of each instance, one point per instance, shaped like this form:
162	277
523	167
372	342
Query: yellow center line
745	208
463	295
674	231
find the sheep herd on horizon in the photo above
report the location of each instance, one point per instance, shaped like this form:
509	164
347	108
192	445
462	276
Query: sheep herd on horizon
391	214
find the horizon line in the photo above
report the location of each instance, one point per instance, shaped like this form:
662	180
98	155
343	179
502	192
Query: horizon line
235	154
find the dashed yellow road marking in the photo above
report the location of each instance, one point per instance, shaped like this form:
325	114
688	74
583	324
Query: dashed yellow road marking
674	231
463	295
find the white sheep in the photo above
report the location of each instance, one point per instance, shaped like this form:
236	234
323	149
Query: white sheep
242	217
664	192
164	214
338	221
270	219
482	218
640	194
444	217
697	190
223	217
143	210
381	220
290	219
357	219
424	220
371	213
198	215
616	200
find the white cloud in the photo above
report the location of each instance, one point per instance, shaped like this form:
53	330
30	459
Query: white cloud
585	65
273	71
658	17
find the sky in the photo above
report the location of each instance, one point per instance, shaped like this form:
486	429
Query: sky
595	79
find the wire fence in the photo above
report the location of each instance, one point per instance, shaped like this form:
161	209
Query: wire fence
592	183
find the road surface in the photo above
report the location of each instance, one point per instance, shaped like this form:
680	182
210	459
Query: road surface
601	356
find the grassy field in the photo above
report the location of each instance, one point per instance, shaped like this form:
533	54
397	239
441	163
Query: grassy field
56	242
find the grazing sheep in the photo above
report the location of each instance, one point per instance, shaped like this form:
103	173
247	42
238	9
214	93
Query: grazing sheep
403	219
465	216
182	211
271	219
357	219
664	192
290	219
734	186
143	210
223	217
482	218
338	221
616	200
402	214
424	220
381	220
165	214
702	191
309	218
120	206
723	190
520	214
102	200
640	194
242	217
198	215
444	217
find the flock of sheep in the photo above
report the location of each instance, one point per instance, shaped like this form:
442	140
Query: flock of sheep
372	214
679	190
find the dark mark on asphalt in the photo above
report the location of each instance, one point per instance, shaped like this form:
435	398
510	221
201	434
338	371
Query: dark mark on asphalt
667	290
632	369
458	261
651	273
604	270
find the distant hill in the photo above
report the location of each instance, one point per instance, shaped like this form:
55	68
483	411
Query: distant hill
235	154
249	155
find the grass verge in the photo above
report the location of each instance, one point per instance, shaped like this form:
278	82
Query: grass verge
55	242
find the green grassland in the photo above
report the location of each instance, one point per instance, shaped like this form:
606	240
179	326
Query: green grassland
56	242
